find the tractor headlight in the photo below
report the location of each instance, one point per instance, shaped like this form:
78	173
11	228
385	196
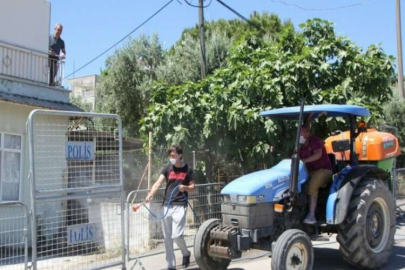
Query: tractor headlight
225	199
242	199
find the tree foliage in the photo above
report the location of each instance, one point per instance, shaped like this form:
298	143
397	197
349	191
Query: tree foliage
79	102
125	83
183	60
222	111
269	26
394	115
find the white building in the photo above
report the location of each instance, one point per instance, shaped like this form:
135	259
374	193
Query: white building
85	88
24	86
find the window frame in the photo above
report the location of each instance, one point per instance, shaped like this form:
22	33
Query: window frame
2	150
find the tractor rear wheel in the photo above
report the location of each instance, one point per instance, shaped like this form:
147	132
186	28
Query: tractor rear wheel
201	245
367	234
293	250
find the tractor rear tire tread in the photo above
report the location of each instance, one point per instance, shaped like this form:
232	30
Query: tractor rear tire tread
352	237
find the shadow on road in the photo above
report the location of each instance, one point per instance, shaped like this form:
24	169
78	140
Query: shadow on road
330	258
233	268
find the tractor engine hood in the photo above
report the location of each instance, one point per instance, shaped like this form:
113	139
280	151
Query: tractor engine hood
268	185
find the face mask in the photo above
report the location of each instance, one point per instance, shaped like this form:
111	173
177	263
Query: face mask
173	161
302	140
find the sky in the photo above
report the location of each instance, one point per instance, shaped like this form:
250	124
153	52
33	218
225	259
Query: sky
91	26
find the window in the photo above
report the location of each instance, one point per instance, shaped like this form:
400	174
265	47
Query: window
10	167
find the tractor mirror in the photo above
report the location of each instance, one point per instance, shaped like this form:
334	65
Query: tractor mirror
341	145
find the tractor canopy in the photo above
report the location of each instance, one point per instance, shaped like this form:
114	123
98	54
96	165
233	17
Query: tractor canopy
331	110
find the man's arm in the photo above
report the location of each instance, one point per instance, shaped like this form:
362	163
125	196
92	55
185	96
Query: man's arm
189	188
317	155
155	187
63	54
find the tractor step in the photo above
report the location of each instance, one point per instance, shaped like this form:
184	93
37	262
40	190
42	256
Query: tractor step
321	223
319	237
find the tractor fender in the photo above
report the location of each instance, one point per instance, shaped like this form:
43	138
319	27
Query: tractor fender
342	189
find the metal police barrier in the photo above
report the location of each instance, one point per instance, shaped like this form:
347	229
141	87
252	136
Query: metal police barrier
13	235
400	182
144	232
399	185
76	181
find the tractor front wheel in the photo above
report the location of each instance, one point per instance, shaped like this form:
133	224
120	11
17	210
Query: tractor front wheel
293	250
201	245
367	234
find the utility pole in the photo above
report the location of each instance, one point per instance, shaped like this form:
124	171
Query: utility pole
399	47
202	39
150	162
208	164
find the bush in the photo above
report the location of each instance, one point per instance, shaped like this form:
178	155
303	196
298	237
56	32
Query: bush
394	115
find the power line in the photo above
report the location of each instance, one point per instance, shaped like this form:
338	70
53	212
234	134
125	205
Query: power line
197	6
320	9
240	15
122	39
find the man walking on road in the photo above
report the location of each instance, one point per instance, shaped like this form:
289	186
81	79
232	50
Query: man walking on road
179	176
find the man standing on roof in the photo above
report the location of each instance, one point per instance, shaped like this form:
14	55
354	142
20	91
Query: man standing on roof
313	154
176	175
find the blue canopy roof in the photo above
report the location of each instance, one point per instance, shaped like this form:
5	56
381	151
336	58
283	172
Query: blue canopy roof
331	110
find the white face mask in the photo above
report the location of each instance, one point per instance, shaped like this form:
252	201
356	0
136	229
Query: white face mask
173	161
302	140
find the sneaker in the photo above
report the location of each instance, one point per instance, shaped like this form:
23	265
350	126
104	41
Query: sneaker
186	261
310	219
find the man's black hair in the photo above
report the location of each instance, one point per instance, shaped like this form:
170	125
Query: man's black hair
175	148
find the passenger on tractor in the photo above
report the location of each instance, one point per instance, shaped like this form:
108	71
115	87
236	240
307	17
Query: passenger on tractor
313	154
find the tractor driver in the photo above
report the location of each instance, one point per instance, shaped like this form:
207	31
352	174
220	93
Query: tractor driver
313	154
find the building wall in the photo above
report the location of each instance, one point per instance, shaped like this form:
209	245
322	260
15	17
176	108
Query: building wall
85	87
19	87
13	119
25	23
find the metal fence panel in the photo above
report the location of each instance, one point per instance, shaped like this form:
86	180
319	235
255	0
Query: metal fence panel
144	232
13	235
76	187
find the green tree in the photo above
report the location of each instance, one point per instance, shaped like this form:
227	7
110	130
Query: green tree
222	111
269	26
394	115
125	83
78	101
183	60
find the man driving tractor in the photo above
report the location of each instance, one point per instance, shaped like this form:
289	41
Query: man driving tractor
313	154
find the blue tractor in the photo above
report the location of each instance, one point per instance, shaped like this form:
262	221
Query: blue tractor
265	209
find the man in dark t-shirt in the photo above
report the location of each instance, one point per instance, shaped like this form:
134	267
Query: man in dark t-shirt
313	154
176	176
56	45
179	182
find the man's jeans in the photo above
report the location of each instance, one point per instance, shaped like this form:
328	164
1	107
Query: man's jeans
173	229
